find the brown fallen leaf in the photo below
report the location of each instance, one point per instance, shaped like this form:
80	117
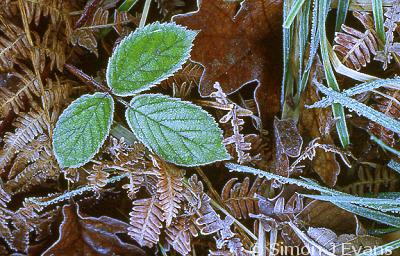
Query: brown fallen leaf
316	123
238	47
288	143
90	236
325	242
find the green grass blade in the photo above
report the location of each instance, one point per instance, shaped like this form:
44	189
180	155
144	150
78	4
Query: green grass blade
361	109
380	204
394	165
382	250
384	146
312	185
341	13
392	83
377	9
127	5
293	13
338	110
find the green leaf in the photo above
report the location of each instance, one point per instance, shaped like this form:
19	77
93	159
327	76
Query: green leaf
82	128
177	131
148	56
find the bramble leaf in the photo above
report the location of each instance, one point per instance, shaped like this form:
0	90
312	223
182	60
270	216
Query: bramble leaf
148	56
82	129
178	131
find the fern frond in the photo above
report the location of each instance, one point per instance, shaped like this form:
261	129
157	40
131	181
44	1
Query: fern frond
183	81
373	180
42	170
86	35
354	47
56	10
239	197
28	127
388	103
169	189
146	221
57	93
29	154
4	196
52	47
12	99
13	45
180	234
392	17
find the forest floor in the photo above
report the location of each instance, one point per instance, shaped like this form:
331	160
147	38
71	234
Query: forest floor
216	127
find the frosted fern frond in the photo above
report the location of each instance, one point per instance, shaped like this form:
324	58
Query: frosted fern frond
146	221
354	47
239	197
28	127
169	190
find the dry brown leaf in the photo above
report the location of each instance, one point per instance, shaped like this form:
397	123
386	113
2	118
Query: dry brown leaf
90	236
316	123
327	215
288	143
238	47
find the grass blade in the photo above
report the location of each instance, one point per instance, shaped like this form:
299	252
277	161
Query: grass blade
361	109
383	250
338	110
377	9
311	185
394	165
341	13
293	13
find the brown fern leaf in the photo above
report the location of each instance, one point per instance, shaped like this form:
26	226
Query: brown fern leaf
12	99
29	154
355	47
389	104
28	127
86	36
183	81
239	197
57	93
169	189
13	45
37	173
180	234
373	180
4	196
5	231
121	19
146	221
7	10
52	47
57	10
98	177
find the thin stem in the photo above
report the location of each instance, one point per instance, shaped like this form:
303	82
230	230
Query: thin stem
145	13
243	227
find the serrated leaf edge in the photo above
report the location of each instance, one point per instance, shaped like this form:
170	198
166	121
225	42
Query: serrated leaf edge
227	157
191	35
66	111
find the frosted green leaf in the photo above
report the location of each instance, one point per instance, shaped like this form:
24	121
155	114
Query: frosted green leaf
177	131
148	56
82	128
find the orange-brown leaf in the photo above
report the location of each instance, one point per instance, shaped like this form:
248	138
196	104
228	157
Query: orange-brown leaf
90	236
239	47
